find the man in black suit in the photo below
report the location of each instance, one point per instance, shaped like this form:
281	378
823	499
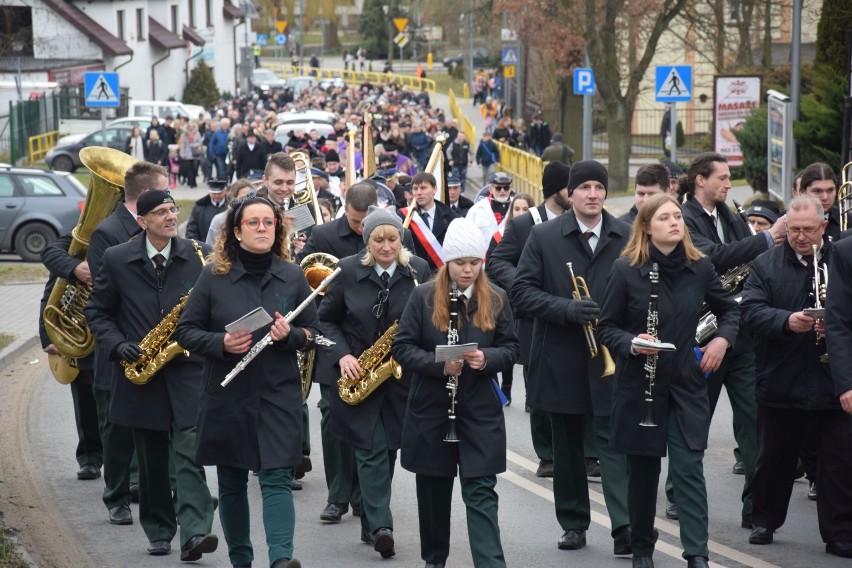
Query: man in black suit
118	228
502	268
206	208
251	156
429	221
651	179
458	203
138	285
564	381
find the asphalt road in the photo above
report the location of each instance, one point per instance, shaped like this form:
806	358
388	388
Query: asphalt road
527	520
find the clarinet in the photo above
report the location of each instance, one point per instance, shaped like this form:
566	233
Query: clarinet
453	381
651	360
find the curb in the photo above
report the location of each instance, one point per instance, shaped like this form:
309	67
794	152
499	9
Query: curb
13	351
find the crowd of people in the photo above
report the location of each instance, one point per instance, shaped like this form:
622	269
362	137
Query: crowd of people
422	267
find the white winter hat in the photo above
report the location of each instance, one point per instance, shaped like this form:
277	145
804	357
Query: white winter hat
463	239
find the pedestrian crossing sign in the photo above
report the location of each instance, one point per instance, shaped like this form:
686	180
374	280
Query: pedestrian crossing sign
510	56
673	83
102	89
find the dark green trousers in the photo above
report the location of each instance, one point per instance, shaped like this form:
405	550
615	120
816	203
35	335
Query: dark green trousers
590	443
89	448
686	470
434	502
541	431
192	507
341	473
570	486
121	468
375	472
306	430
279	514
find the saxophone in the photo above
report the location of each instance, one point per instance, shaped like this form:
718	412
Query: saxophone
158	348
378	367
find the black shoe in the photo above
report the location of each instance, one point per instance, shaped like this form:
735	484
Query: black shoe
746	522
643	562
286	563
545	468
800	470
198	545
841	548
159	548
812	492
134	493
738	469
383	542
760	535
247	565
215	503
593	468
671	510
296	485
88	472
356	511
120	515
696	562
303	467
572	539
507	392
334	512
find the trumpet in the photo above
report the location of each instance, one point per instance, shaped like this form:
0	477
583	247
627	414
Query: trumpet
820	288
581	290
844	196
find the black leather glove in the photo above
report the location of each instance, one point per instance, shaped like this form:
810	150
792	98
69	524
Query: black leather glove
129	351
582	311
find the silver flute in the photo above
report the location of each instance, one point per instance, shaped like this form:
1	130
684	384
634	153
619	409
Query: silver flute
267	339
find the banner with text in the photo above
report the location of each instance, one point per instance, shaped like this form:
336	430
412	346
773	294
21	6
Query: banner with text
735	98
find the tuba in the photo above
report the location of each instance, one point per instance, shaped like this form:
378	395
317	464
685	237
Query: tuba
64	320
158	347
581	290
378	366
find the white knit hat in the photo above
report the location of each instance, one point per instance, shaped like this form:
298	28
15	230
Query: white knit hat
463	240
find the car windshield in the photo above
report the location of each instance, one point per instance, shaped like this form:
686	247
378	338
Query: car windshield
264	75
72	179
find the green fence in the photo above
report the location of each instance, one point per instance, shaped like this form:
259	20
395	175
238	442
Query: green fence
26	119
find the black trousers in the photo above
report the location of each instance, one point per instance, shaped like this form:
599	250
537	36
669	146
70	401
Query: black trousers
780	433
89	447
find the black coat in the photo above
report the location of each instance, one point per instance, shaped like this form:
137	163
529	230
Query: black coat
248	160
116	229
129	299
479	414
442	219
629	216
743	246
562	377
200	217
157	153
462	207
679	381
838	317
256	421
346	317
789	374
339	240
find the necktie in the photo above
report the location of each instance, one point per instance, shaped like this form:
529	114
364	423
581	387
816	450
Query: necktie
809	261
587	236
385	279
425	217
159	261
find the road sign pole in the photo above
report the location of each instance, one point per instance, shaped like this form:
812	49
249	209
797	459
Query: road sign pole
587	122
673	135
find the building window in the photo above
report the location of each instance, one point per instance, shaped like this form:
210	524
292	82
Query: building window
119	15
140	24
174	18
191	13
209	10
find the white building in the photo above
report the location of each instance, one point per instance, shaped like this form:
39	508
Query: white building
152	44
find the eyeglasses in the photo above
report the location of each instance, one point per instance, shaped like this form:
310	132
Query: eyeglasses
502	187
806	231
253	223
173	210
381	304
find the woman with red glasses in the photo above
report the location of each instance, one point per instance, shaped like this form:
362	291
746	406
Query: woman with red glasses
255	423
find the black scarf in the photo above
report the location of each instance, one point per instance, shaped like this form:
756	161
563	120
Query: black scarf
255	263
672	264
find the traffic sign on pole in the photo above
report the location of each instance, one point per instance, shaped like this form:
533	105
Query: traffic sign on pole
508	71
102	89
673	83
281	25
401	40
262	40
281	39
584	81
510	56
400	23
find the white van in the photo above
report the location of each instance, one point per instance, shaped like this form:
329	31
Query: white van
162	109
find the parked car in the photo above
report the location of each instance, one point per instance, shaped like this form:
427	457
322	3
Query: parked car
142	122
298	84
307	116
265	82
481	58
36	207
283	130
65	156
336	82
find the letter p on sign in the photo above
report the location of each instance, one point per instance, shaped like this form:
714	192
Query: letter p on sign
584	81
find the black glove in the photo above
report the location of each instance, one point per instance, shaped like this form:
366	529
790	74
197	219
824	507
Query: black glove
582	311
129	351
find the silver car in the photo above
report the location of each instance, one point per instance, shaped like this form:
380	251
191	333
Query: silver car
35	208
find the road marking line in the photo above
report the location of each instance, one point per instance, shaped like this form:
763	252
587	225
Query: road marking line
659	523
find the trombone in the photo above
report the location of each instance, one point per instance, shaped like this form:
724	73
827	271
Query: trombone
844	195
305	193
581	290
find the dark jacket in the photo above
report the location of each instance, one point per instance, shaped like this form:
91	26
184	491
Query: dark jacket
629	216
248	160
838	317
157	153
219	143
502	266
487	153
679	381
789	374
116	229
479	414
272	148
562	378
540	136
129	299
459	154
256	421
443	217
419	144
558	152
462	207
200	217
347	318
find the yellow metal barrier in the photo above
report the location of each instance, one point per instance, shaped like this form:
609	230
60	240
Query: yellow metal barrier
526	169
354	77
40	144
465	125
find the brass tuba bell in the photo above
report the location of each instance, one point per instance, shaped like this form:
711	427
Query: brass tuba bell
317	266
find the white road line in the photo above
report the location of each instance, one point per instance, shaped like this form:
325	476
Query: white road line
661	524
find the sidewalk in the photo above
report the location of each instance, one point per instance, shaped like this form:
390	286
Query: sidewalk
20	318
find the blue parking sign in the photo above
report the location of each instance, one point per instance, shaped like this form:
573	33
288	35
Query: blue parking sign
584	81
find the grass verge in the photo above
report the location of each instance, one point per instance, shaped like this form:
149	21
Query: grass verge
9	556
6	339
18	273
